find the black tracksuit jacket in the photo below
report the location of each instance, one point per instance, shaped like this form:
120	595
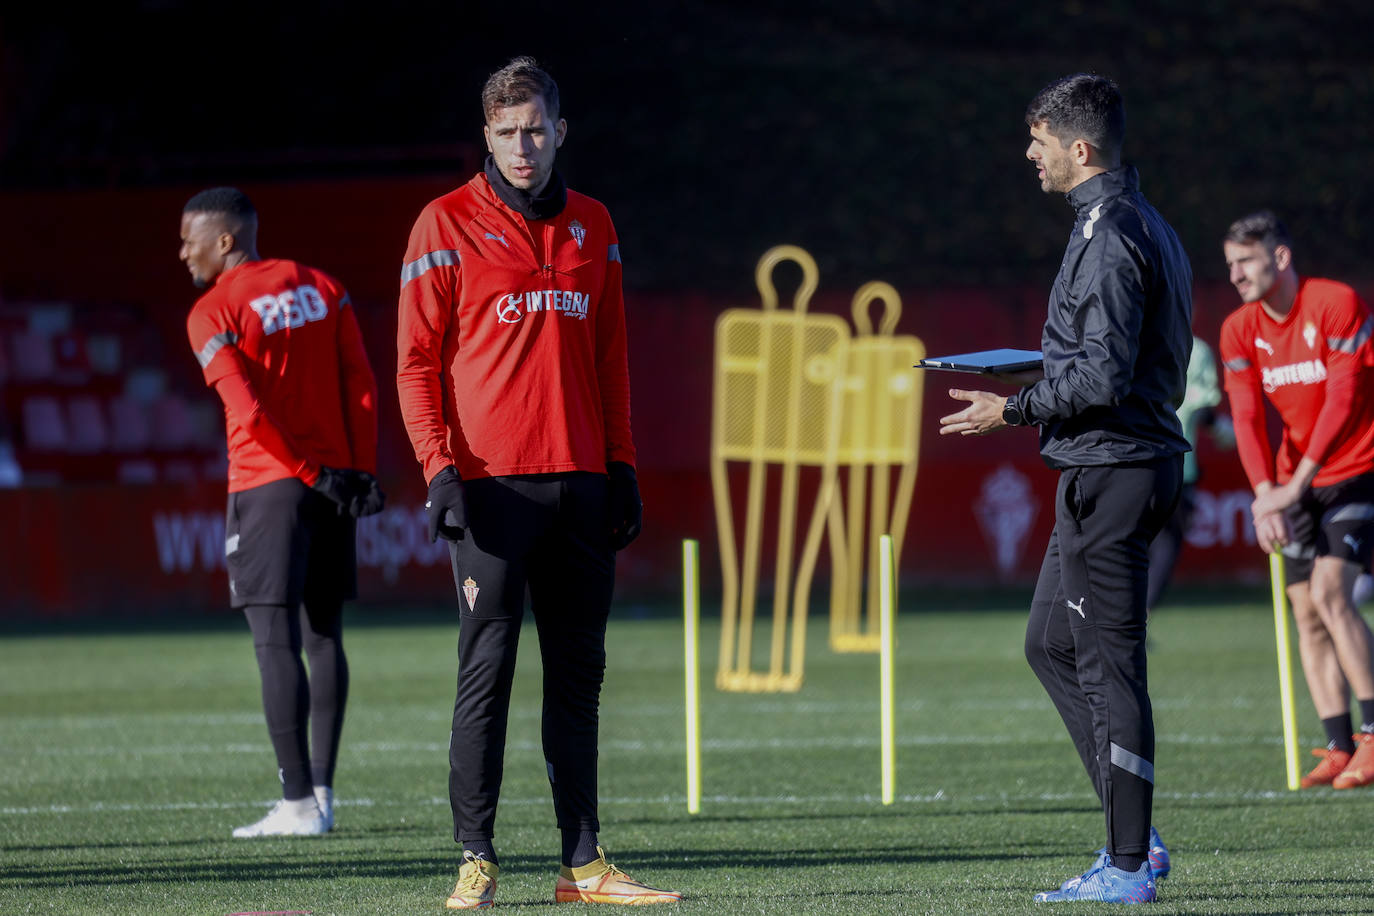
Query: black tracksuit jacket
1118	336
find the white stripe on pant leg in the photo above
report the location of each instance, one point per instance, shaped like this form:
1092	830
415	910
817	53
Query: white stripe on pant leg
1133	763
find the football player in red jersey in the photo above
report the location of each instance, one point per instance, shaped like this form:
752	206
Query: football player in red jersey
279	343
515	391
1304	343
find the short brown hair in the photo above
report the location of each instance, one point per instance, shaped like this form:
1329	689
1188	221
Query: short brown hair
516	83
1263	226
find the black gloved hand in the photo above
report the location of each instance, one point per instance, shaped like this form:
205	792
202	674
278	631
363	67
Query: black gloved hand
355	493
338	485
625	508
368	498
448	514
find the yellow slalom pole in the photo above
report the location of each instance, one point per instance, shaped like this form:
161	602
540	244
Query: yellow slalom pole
1290	718
691	616
887	591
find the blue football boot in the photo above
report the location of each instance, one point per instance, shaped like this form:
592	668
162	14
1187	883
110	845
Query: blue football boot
1107	884
1158	855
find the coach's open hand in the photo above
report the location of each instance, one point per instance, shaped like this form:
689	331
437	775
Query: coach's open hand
982	416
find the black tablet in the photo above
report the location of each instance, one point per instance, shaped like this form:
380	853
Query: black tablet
988	362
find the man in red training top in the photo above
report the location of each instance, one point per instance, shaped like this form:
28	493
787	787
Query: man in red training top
1305	343
280	344
515	390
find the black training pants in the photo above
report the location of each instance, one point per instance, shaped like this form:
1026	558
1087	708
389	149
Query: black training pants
549	533
1085	638
291	699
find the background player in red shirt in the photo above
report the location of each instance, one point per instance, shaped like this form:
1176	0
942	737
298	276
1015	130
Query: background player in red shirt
280	344
1305	343
514	387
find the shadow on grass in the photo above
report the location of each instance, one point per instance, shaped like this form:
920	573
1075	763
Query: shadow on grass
73	847
178	862
896	812
260	865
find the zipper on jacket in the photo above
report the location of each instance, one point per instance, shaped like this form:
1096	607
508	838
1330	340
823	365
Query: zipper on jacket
546	252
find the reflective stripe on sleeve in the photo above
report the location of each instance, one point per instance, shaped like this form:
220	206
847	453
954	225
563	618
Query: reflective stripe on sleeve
1351	344
212	346
448	257
1239	364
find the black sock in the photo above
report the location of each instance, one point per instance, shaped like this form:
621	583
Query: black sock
1367	716
482	849
579	847
1338	733
1127	863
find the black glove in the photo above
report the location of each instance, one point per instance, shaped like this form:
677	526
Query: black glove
368	498
625	508
448	515
355	493
338	485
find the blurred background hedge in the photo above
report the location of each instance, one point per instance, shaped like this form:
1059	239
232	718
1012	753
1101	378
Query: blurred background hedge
887	137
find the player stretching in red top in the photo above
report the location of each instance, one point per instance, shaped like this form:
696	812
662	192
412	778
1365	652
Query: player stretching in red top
280	344
1305	342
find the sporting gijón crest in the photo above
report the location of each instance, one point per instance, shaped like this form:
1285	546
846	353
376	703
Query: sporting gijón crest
470	591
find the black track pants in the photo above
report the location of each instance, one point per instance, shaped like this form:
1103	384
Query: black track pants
550	534
1085	638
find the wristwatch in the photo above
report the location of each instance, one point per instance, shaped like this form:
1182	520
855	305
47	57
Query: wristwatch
1011	414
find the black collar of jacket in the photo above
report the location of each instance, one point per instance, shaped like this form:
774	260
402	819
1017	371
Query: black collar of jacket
544	205
1113	183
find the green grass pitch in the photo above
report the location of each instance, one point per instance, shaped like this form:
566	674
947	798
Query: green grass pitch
128	756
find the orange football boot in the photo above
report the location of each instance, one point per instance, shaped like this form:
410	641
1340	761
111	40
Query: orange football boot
601	882
1360	770
1333	763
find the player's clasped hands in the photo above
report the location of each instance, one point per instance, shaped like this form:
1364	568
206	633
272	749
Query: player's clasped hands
982	416
1271	532
1271	526
356	493
368	498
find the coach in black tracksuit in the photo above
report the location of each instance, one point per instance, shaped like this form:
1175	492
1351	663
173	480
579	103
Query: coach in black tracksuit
1116	345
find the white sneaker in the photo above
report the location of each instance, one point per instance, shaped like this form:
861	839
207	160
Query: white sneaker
297	817
324	798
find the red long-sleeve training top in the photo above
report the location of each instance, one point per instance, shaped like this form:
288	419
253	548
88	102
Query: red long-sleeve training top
280	343
1316	366
511	348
